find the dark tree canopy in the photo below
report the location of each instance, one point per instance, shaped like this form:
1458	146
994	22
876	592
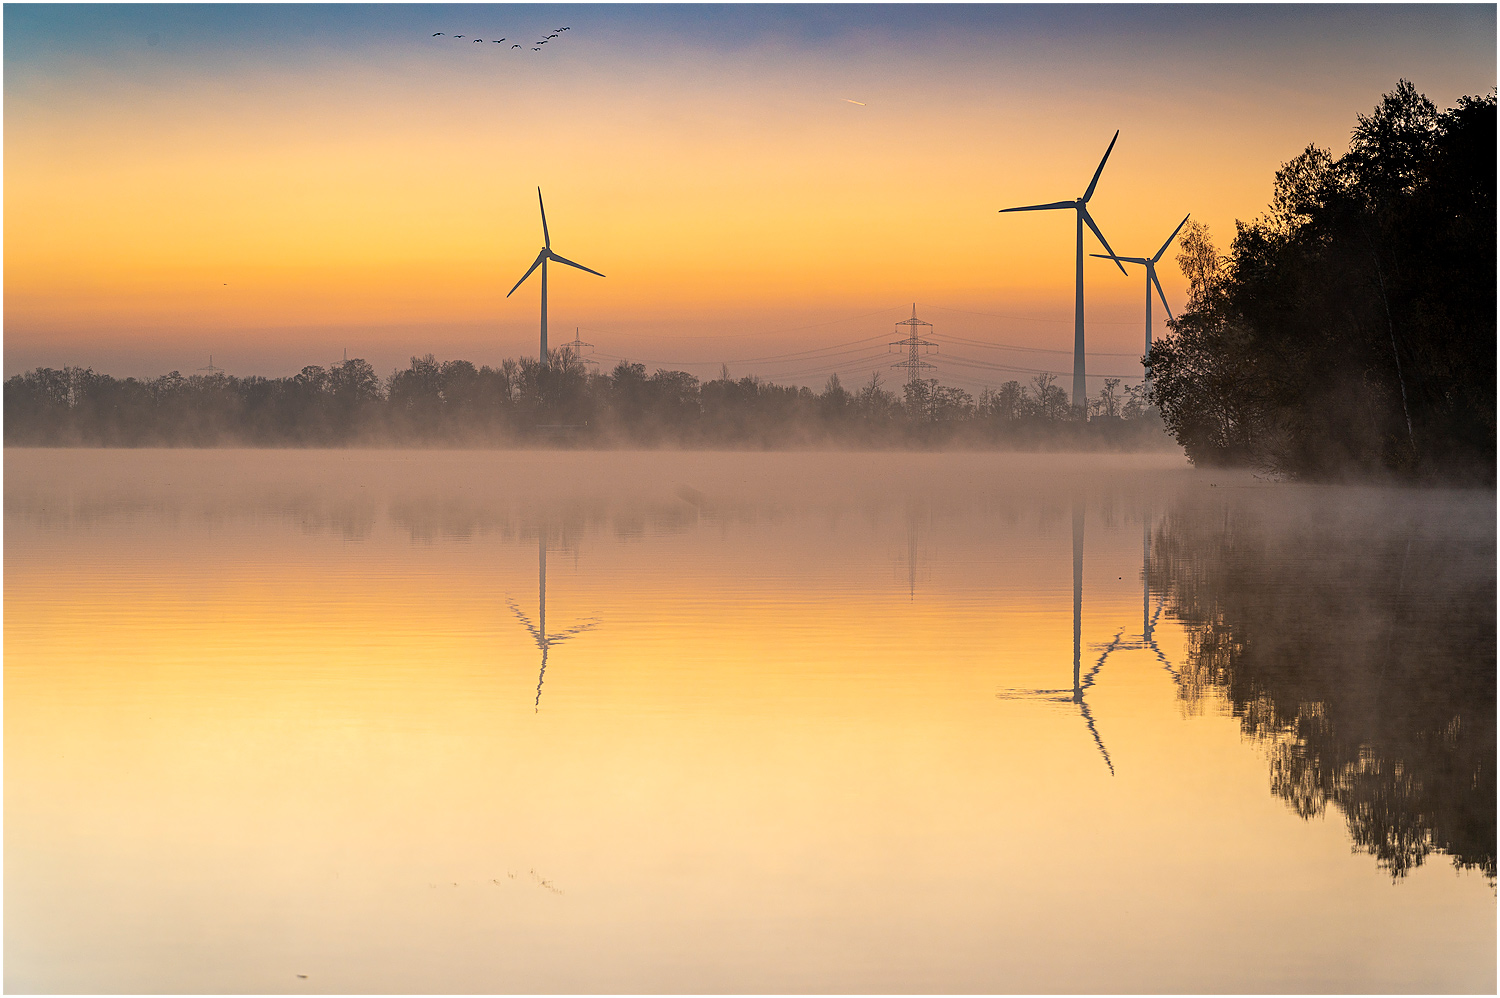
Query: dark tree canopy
1350	331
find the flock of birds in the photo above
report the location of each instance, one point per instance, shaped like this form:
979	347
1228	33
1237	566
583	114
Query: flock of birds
535	46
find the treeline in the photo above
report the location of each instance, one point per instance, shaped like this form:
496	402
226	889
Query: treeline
1351	329
557	402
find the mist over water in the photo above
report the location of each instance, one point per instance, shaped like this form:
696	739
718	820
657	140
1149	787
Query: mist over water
624	721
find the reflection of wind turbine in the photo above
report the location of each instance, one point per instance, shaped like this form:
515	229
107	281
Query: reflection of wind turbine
541	261
1151	279
1147	639
914	512
1081	683
911	554
1080	390
539	634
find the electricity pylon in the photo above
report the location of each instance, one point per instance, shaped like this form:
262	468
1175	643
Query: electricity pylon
914	343
577	345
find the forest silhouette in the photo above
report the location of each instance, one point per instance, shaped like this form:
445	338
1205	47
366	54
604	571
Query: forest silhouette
1350	330
560	402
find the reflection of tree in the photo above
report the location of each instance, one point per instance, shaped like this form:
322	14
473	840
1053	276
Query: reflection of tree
1359	649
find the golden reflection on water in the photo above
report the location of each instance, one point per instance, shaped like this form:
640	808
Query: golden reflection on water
272	714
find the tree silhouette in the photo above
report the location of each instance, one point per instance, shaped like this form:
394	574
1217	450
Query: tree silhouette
1351	328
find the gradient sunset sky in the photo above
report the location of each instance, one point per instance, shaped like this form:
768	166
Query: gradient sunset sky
275	184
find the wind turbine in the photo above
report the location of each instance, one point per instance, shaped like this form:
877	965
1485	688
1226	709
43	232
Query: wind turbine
541	261
1080	388
1151	279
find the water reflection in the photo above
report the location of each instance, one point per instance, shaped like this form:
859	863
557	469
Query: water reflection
1081	683
538	631
252	715
1146	640
1356	644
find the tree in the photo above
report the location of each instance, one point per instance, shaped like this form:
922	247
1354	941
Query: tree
1048	401
1006	404
1351	329
1108	403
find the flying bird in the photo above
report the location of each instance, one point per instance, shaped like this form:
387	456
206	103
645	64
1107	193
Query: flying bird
497	41
479	41
516	46
536	50
859	102
458	36
553	35
436	33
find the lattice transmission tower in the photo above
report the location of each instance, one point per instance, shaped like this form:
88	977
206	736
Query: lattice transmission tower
577	345
914	343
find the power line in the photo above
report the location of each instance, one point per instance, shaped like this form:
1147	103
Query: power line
803	356
832	349
790	329
853	366
982	365
1033	318
799	353
1013	346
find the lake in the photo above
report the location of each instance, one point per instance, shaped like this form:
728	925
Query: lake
406	721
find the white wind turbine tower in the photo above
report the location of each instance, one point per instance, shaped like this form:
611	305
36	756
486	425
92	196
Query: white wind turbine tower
1151	279
1080	388
541	261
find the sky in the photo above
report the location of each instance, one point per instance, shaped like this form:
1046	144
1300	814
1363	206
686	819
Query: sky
275	185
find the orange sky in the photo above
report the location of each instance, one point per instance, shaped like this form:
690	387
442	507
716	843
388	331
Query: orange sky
274	205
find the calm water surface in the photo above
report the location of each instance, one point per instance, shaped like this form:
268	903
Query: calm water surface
458	722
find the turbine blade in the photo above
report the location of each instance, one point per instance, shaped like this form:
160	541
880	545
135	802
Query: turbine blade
1127	259
546	239
1090	220
1160	293
535	264
570	263
1044	207
1171	237
1093	183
